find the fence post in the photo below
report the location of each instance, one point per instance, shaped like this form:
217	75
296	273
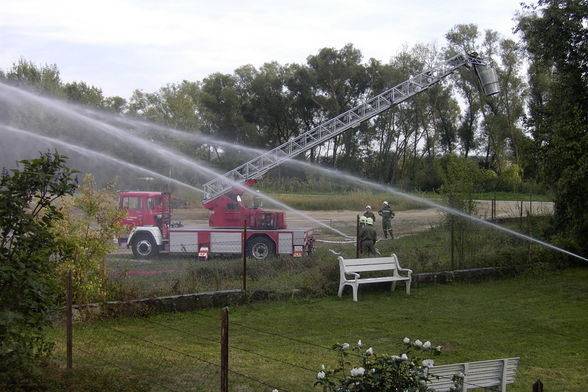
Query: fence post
69	319
245	257
357	244
224	349
452	240
521	220
538	386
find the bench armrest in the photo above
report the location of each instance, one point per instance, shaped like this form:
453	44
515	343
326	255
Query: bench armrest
406	270
356	275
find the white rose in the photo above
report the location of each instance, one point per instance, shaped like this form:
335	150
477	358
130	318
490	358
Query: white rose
406	340
427	344
345	346
323	366
404	357
428	362
369	351
359	343
438	348
357	372
395	357
418	343
320	375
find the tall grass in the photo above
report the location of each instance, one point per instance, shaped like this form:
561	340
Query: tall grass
356	201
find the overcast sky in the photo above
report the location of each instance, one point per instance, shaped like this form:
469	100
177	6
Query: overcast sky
122	45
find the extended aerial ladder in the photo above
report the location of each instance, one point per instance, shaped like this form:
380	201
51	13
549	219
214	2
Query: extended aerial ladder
252	170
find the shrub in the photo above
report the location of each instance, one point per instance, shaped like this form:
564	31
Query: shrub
27	256
374	372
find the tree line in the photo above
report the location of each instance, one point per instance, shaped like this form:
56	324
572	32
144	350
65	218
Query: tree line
265	106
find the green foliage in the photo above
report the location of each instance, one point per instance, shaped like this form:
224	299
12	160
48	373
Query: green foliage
379	372
554	33
27	255
459	181
91	219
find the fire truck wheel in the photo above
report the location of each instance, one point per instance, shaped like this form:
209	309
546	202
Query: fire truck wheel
261	248
144	247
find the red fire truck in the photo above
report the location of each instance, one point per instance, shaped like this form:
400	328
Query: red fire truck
267	233
153	232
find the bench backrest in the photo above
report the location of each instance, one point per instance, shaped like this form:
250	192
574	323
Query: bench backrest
370	264
481	374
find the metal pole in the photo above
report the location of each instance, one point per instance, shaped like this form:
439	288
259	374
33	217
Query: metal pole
452	239
245	256
69	319
357	250
224	349
521	220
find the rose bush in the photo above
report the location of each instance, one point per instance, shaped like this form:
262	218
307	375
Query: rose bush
373	372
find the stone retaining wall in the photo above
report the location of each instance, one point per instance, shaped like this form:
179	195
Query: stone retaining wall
218	299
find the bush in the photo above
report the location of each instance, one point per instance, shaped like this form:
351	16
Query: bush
407	372
28	292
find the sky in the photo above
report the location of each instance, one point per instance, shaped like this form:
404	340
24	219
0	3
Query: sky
123	45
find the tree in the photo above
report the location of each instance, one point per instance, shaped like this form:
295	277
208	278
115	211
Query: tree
83	94
91	219
27	256
45	78
556	38
340	82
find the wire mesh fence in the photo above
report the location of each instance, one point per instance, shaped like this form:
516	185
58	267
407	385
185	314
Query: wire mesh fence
176	356
449	244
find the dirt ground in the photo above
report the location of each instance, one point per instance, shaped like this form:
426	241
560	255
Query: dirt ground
405	222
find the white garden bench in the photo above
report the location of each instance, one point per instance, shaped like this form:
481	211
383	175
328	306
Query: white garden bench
354	267
495	373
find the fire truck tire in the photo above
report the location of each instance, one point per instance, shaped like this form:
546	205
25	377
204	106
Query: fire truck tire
261	248
144	247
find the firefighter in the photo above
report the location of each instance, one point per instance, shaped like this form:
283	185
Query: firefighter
368	213
387	215
360	230
368	238
257	202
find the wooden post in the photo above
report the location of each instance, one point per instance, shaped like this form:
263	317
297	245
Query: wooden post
224	349
245	257
69	319
538	386
357	244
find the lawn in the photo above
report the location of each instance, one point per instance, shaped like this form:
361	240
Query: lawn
539	316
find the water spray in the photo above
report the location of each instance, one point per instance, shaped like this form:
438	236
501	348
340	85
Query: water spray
449	210
167	154
83	150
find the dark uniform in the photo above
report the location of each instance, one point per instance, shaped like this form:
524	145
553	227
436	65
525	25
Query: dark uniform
368	238
370	214
387	215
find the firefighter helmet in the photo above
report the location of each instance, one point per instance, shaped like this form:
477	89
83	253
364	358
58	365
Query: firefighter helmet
369	221
363	219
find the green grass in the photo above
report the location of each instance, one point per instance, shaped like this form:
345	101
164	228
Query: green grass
357	200
539	316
